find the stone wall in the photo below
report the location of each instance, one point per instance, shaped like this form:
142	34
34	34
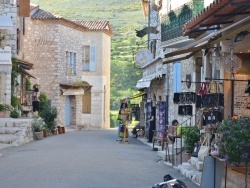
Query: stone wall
10	37
46	44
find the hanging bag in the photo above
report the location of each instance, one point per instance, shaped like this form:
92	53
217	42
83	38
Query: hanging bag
204	150
212	87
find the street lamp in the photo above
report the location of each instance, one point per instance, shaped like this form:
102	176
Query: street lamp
239	37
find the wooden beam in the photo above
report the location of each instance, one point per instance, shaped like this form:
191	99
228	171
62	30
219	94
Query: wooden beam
231	14
200	30
216	23
240	4
181	58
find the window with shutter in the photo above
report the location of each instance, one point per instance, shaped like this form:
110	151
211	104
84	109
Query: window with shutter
86	58
177	77
92	65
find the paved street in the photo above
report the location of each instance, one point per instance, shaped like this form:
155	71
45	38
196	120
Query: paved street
91	159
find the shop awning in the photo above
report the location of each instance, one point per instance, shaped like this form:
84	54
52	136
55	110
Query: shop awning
217	13
210	40
26	73
25	64
5	22
74	89
143	84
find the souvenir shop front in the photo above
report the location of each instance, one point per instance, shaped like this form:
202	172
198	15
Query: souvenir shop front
153	83
222	102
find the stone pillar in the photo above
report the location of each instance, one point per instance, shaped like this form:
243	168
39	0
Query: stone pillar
5	75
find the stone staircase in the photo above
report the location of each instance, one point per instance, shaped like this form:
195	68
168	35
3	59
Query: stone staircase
193	170
15	132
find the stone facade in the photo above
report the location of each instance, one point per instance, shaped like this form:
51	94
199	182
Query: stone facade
164	85
46	44
13	37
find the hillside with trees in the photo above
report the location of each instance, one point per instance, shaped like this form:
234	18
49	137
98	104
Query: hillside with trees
125	16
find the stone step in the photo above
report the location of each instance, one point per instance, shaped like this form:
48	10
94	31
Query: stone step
7	138
11	122
190	172
9	130
196	163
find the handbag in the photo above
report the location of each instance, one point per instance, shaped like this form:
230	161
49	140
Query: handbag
213	87
204	151
203	89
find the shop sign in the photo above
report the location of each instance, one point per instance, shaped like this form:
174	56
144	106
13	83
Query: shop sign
74	92
5	55
153	71
144	57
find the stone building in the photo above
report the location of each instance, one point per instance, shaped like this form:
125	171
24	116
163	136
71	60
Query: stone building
165	76
72	63
12	19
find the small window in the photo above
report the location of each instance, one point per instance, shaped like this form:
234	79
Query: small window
86	58
89	58
71	62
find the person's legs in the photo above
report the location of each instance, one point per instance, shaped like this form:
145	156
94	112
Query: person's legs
150	135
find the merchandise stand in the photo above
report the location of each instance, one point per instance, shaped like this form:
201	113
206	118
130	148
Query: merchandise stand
125	117
124	123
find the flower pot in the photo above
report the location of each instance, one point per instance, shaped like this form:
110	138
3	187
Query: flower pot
59	130
45	133
1	114
63	129
7	113
39	135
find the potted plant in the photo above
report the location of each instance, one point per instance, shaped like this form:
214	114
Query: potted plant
7	110
38	127
1	110
235	145
46	131
191	135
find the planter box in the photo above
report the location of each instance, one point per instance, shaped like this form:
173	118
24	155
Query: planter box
7	114
1	114
39	135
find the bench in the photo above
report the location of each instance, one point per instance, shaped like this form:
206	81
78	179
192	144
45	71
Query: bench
160	137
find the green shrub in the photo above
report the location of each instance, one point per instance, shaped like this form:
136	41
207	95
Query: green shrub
27	84
47	112
15	102
14	114
1	107
38	128
191	135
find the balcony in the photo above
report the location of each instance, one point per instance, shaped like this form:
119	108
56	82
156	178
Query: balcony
172	23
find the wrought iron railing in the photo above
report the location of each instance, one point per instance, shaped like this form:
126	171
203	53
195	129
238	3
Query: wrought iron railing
172	23
175	157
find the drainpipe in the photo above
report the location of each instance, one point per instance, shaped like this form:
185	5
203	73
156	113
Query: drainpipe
167	95
149	12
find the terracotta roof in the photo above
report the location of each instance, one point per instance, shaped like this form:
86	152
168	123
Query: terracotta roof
97	25
33	6
103	26
25	64
207	15
44	15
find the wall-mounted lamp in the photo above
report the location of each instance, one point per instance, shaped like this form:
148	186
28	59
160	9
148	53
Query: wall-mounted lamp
240	36
207	50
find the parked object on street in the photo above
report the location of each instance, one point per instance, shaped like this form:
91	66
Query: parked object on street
170	182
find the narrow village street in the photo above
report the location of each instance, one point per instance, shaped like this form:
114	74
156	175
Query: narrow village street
87	159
